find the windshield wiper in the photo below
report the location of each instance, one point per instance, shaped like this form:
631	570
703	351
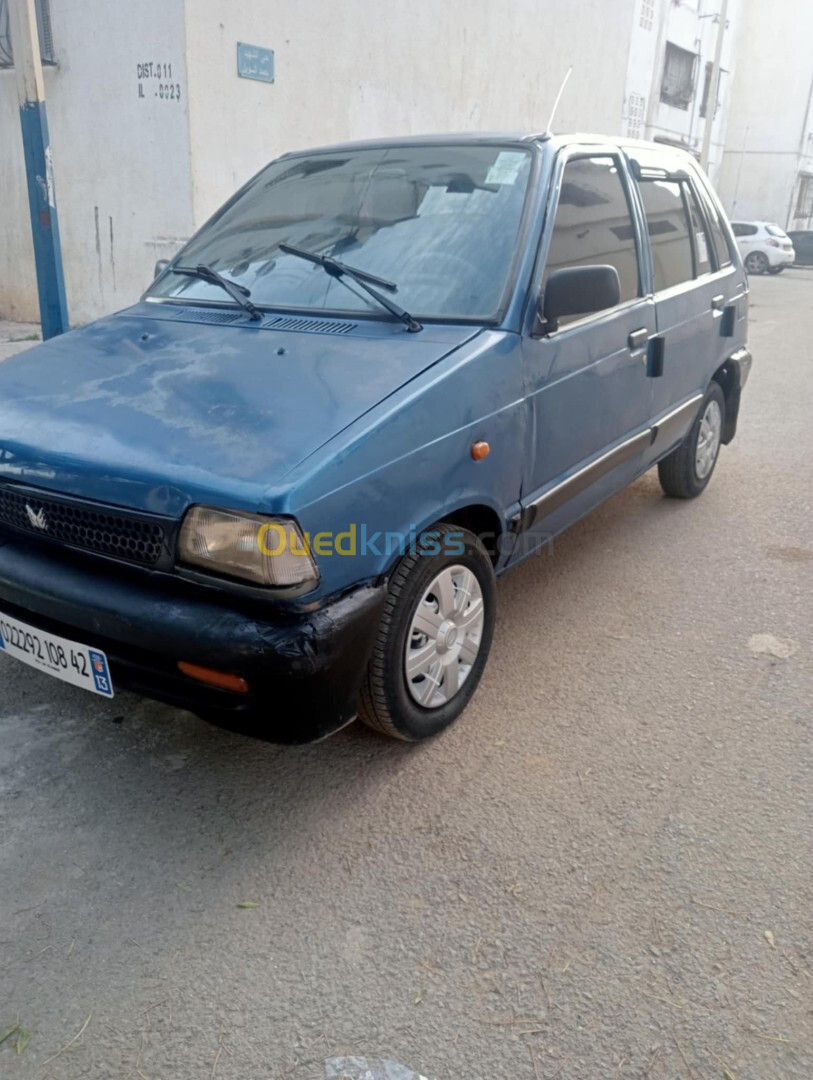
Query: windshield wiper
361	277
239	293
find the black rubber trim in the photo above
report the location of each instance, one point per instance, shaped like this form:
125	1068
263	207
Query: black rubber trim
574	485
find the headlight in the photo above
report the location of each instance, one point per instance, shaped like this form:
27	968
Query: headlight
263	550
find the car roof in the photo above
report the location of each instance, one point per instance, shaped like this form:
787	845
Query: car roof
467	138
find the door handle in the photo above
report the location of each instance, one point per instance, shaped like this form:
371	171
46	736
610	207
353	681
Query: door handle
638	338
717	303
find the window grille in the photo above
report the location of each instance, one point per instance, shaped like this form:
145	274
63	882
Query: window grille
677	88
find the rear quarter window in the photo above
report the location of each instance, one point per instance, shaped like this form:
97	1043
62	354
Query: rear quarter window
718	236
700	236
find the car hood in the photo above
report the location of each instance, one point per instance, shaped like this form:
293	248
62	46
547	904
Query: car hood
155	408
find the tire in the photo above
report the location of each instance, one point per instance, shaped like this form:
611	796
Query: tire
435	584
775	269
687	470
757	263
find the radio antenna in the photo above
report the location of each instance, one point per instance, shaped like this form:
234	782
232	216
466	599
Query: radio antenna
549	128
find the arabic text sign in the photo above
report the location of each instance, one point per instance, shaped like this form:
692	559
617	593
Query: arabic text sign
254	62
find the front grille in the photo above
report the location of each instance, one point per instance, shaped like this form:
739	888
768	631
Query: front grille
88	526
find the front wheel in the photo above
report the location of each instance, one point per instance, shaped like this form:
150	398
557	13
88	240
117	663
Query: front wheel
687	470
434	637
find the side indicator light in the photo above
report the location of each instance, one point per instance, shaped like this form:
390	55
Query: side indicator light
479	450
222	679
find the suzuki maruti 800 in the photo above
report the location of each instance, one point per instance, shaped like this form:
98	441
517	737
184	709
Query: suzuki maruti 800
279	489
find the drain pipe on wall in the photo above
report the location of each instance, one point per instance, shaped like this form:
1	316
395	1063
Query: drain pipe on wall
714	88
39	168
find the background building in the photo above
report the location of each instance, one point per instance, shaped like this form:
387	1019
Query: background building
155	121
767	171
672	46
152	127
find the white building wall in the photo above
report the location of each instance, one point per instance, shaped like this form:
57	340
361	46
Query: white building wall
136	174
121	161
770	133
691	25
352	71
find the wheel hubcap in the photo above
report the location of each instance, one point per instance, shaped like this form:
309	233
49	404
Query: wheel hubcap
444	637
708	440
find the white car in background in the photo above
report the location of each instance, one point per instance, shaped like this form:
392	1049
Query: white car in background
765	247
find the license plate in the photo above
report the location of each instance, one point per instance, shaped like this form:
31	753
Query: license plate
66	660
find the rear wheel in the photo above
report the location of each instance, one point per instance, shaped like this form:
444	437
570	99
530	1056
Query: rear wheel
775	269
687	470
757	263
434	636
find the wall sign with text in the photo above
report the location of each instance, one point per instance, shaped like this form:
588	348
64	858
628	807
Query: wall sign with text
254	62
155	80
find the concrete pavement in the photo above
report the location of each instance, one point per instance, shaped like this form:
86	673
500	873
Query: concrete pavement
16	336
604	870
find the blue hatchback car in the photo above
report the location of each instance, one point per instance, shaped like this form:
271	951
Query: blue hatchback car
278	490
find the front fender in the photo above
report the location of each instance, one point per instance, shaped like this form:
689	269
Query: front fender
410	465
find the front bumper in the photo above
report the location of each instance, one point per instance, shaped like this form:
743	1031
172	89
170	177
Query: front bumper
303	669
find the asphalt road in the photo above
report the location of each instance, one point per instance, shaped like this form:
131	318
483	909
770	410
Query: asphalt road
604	870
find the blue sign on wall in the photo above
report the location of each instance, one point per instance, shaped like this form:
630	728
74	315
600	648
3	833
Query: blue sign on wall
254	62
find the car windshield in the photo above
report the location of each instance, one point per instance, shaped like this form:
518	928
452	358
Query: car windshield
774	230
440	221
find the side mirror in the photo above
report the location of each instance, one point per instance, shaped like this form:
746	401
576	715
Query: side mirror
160	267
578	290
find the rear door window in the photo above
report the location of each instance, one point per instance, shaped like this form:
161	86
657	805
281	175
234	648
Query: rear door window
718	237
669	232
741	229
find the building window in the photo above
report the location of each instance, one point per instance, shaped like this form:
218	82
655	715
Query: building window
635	115
647	14
677	88
43	9
804	202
